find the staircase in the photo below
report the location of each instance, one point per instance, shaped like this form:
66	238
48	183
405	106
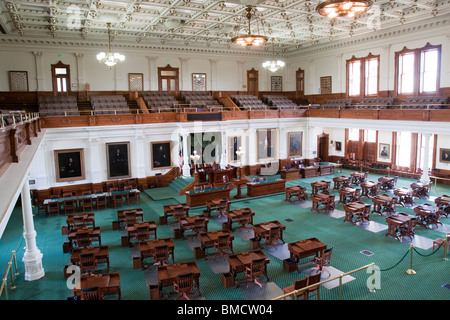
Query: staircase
84	107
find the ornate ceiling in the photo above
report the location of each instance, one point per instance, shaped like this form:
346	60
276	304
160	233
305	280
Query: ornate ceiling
291	24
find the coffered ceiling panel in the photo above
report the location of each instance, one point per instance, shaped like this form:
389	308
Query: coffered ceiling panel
290	24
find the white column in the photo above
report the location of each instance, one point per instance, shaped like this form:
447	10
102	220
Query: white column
184	75
186	167
32	257
39	71
80	71
152	74
426	155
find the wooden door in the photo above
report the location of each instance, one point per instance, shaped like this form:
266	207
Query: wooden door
322	146
168	78
61	79
252	82
300	83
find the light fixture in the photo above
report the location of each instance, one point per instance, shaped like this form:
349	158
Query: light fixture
343	8
109	58
273	65
249	39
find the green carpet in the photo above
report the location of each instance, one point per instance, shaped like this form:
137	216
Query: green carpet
390	255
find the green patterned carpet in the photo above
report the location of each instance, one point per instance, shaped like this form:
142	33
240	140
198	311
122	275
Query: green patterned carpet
389	254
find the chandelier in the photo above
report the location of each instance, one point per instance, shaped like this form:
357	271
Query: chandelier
109	58
273	65
343	8
249	39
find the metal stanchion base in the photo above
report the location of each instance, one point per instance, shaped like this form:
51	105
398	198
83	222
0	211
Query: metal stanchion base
410	271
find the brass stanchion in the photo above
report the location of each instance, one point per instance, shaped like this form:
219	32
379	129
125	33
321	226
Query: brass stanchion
410	270
373	281
446	240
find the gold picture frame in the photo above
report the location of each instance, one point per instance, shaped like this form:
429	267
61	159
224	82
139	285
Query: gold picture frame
69	165
295	140
161	155
234	142
118	160
266	144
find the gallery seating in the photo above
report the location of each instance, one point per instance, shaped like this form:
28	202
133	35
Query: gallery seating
200	100
58	106
422	102
160	101
375	103
279	102
336	104
248	102
109	104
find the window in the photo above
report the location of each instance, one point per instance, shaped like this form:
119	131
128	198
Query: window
353	134
362	76
403	149
418	70
370	135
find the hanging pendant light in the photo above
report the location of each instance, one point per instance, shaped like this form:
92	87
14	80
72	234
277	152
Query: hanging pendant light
343	8
109	58
273	65
249	39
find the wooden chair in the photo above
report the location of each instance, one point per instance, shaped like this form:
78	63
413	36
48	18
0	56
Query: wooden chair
200	225
222	244
132	197
142	233
161	255
313	291
298	284
86	204
69	206
255	271
130	218
273	236
83	240
86	193
321	262
408	230
183	285
178	213
118	200
223	208
87	262
91	294
53	207
78	223
159	180
245	220
356	196
101	202
330	203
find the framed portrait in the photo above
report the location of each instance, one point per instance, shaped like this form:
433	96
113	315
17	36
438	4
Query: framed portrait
384	150
118	159
338	145
295	144
69	165
161	156
266	139
233	145
444	155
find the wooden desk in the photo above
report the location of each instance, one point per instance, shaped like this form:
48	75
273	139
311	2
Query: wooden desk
132	230
404	196
306	248
256	189
346	194
387	182
101	254
262	229
169	209
357	209
309	172
326	170
207	239
320	199
358	177
199	198
238	183
340	182
443	202
290	174
420	190
427	214
399	222
320	186
122	213
94	234
147	248
298	192
369	189
236	214
239	262
87	218
383	203
167	275
188	223
108	283
215	203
